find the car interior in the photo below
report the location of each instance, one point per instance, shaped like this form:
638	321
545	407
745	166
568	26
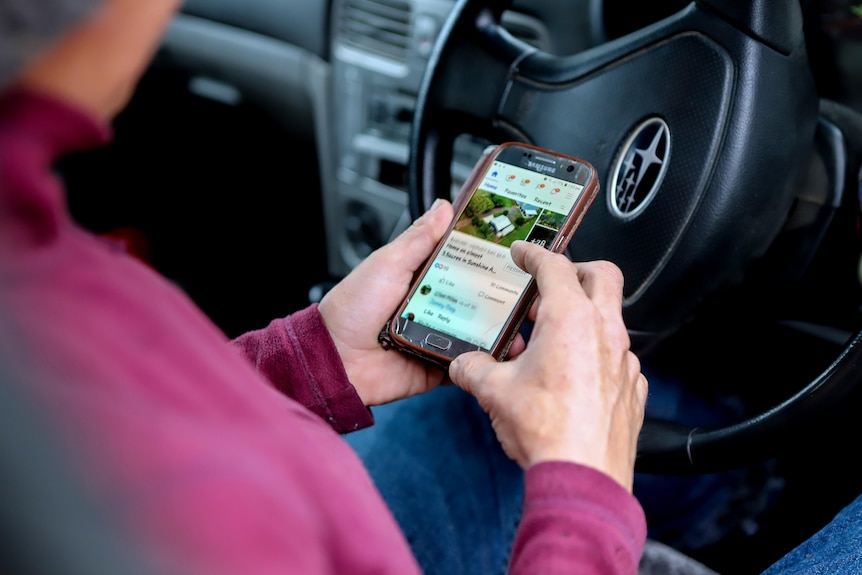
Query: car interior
272	145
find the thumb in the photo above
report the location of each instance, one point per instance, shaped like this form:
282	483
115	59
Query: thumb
470	369
416	243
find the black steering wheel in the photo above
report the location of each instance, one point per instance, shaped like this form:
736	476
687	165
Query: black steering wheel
700	125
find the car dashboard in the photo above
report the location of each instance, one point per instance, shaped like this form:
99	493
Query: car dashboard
343	77
379	51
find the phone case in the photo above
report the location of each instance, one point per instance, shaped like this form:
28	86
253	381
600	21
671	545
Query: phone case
388	341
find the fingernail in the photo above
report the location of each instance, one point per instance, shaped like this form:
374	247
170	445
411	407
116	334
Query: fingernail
435	205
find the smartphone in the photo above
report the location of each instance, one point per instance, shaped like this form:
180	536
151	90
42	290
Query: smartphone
470	295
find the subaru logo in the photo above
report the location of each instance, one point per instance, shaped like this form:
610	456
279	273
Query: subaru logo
640	168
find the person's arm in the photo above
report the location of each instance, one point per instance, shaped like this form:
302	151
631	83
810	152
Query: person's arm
328	357
577	520
569	410
297	355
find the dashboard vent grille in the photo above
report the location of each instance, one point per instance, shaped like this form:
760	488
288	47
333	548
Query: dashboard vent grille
378	26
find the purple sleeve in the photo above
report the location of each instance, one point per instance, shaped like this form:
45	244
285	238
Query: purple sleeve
298	356
577	520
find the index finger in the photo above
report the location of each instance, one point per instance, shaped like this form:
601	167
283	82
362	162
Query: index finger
600	280
553	272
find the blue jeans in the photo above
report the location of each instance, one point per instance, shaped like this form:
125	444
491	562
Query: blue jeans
455	493
834	550
457	496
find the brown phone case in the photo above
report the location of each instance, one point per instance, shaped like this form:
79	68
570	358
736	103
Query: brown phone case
389	340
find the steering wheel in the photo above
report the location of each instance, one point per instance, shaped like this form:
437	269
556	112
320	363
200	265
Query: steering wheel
700	125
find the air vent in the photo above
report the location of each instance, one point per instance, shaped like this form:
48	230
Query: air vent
381	27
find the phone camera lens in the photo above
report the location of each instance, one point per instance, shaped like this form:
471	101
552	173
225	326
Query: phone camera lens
570	168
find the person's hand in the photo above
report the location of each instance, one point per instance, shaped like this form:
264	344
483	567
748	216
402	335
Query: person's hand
577	392
356	309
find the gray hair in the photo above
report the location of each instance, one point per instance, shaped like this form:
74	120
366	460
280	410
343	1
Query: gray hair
29	26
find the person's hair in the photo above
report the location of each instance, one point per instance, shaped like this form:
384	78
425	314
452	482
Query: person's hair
29	26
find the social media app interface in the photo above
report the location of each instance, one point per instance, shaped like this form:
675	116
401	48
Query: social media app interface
473	284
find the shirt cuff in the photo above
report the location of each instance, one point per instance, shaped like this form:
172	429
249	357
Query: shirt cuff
333	396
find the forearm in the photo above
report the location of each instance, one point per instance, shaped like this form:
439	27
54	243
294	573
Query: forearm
297	355
577	520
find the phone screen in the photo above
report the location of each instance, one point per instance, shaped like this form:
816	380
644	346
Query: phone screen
472	286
